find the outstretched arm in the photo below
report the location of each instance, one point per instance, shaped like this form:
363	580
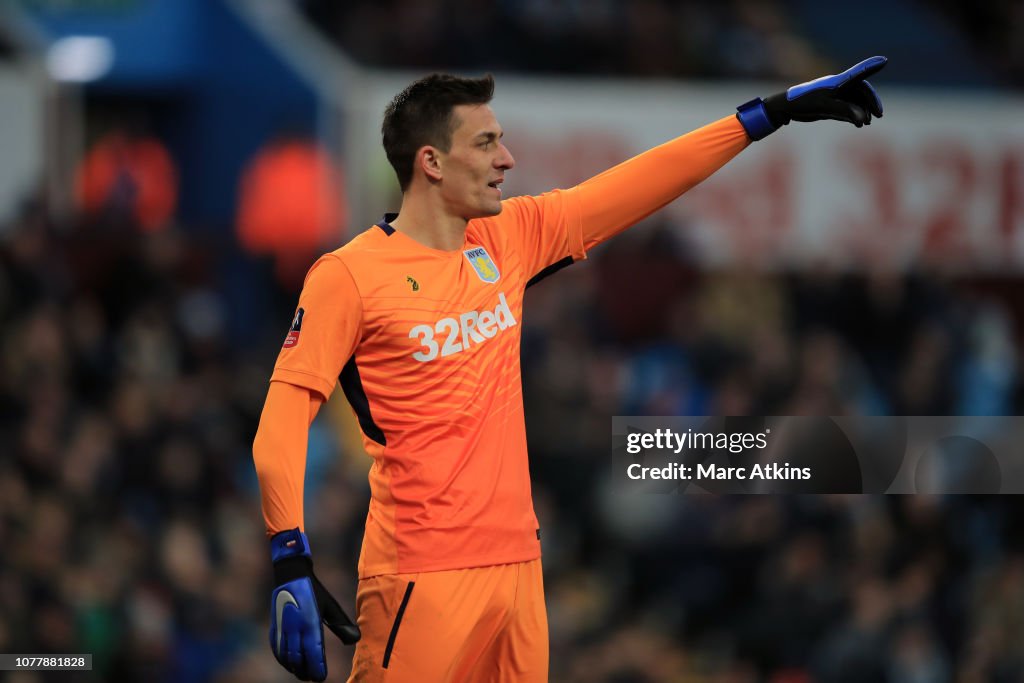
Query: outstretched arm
625	194
629	192
558	227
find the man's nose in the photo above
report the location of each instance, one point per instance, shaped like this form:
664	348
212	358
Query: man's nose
505	160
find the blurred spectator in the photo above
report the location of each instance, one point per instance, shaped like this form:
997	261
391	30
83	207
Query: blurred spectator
129	177
291	205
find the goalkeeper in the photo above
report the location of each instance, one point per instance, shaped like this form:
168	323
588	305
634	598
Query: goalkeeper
418	320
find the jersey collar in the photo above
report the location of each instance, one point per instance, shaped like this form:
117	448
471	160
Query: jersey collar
385	223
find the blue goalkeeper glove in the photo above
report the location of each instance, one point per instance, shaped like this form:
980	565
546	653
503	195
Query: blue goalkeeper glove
298	605
843	97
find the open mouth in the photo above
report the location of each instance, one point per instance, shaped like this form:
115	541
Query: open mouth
496	183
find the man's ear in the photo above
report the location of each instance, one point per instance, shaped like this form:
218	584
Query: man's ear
429	160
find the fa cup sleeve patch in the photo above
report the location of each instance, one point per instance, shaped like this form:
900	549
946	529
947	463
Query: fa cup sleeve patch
293	332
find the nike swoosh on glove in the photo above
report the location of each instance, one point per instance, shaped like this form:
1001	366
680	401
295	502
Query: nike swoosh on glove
299	606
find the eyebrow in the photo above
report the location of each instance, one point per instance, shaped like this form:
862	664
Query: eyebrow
489	135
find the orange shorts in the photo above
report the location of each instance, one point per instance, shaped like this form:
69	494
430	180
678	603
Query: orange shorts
481	625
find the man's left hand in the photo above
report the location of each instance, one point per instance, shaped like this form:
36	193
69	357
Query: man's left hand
840	97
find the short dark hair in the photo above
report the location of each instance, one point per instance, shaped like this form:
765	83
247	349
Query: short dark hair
422	115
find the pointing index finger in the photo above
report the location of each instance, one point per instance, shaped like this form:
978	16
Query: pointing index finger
866	68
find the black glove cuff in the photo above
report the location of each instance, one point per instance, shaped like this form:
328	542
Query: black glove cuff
291	568
777	109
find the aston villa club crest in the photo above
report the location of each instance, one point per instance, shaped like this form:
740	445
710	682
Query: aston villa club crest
482	264
293	332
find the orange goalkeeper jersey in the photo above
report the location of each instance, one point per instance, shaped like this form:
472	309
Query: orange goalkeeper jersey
425	345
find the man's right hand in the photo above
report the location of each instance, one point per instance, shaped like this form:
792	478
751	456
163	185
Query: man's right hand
299	606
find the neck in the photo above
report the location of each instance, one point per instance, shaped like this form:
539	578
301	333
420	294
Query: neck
429	224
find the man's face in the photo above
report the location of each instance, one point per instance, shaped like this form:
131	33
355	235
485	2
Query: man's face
474	167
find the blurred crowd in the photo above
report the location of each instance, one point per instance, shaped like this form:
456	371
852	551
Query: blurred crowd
129	510
736	39
125	497
639	329
994	30
790	590
768	39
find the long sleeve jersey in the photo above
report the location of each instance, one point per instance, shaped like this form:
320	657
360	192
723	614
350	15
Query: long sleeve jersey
425	345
